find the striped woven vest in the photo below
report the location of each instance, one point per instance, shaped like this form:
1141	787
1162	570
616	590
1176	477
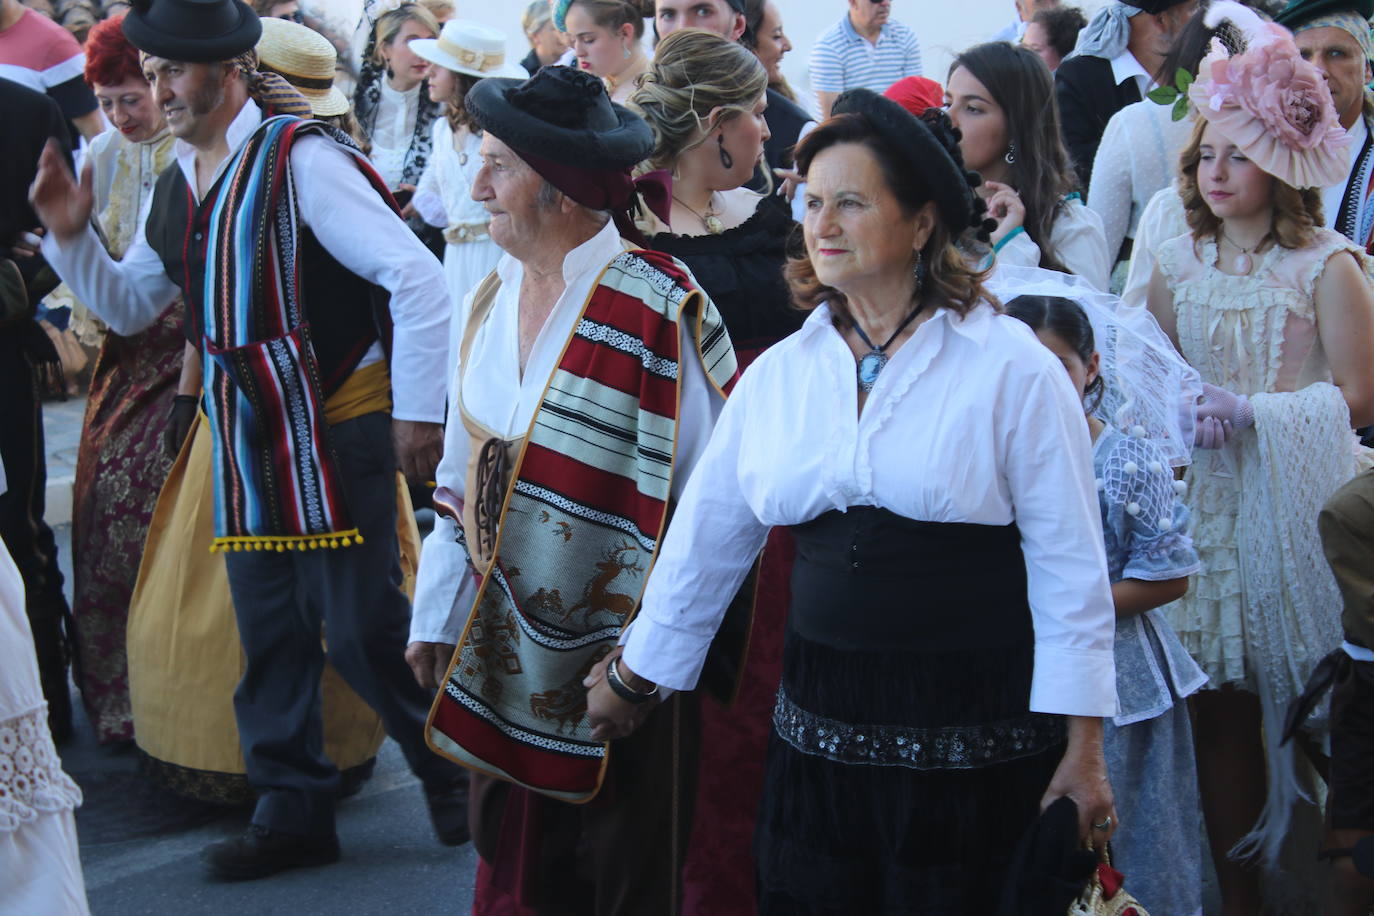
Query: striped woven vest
580	525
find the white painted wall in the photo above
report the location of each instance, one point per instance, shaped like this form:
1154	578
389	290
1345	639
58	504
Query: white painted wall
943	26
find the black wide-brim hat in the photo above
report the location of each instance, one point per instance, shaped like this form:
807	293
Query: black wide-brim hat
944	177
564	115
196	31
1302	11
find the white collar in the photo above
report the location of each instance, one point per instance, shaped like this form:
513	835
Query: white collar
1357	133
240	129
409	95
1125	66
591	256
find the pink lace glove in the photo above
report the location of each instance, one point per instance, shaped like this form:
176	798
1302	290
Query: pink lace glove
1232	410
1209	432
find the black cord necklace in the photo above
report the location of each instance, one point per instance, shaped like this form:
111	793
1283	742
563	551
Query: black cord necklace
872	362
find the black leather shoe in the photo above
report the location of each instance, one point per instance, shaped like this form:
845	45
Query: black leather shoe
260	852
448	810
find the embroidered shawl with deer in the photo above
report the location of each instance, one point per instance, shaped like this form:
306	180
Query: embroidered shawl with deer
583	513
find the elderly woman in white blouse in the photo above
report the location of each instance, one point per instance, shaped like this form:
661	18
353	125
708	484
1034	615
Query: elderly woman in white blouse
948	657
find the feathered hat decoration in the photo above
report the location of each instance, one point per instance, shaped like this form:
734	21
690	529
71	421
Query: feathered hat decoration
1268	101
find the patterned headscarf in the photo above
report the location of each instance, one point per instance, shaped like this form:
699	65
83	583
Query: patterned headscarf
1347	21
271	91
1108	33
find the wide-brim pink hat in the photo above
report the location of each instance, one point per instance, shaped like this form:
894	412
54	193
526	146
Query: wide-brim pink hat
1273	105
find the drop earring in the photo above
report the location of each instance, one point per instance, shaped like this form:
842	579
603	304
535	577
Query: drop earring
1010	157
919	272
625	50
726	160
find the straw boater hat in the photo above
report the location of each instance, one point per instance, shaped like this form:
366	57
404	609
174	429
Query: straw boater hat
305	58
471	48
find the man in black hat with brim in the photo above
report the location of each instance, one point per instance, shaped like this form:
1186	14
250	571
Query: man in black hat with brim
277	233
1114	64
591	372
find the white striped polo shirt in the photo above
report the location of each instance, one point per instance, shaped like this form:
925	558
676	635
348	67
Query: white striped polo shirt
843	59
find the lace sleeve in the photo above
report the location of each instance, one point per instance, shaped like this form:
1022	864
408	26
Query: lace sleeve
1144	507
31	777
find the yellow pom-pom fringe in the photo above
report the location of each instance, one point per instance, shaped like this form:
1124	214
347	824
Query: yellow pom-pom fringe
312	542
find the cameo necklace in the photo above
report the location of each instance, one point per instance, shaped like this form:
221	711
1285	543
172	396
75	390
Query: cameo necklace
871	363
1243	263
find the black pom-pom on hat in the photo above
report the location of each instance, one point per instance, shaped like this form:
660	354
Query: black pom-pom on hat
930	146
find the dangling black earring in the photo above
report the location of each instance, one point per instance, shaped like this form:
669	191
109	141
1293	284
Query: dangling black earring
1010	157
726	160
919	272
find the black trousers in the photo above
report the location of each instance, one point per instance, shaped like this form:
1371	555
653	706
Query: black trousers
27	537
282	600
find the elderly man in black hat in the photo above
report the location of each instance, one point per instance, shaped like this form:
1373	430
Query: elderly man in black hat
589	377
1114	64
278	235
1334	36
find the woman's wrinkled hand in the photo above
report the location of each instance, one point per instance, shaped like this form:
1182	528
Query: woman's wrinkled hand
1082	776
609	715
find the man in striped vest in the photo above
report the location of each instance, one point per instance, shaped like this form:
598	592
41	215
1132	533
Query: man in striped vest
257	227
589	377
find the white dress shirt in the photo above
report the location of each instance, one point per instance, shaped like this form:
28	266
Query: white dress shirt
495	393
1334	196
973	420
1126	67
335	201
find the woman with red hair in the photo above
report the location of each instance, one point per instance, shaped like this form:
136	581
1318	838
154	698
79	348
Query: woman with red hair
121	463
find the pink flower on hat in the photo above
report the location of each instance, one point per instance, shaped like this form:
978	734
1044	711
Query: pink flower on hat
1275	107
1275	84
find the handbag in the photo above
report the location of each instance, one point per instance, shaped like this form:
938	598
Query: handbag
1105	894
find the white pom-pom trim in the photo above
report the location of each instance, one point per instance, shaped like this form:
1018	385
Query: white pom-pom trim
1156	467
1131	467
1138	431
1132	509
1180	487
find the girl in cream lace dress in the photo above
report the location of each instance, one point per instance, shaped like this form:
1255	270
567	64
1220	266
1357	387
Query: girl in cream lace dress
1276	314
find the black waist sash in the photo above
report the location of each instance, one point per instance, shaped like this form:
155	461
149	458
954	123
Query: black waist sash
910	643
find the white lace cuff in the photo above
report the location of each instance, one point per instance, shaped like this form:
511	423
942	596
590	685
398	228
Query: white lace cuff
31	777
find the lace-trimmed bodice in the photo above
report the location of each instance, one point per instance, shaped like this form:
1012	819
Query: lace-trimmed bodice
1256	333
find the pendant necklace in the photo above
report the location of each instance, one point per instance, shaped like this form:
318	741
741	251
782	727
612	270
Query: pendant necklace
710	220
1243	263
872	362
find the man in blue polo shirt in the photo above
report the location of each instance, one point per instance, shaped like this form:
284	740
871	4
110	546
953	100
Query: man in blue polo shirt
865	49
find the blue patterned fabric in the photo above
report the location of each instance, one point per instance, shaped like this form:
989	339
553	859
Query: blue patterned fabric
1149	744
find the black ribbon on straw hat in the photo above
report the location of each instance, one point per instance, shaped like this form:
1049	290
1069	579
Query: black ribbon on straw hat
565	126
930	147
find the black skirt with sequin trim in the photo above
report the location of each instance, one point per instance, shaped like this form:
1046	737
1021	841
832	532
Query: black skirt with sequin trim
904	764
